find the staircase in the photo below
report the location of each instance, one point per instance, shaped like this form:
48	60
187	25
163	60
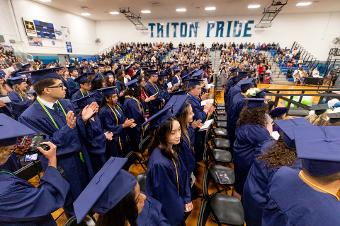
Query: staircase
277	76
215	59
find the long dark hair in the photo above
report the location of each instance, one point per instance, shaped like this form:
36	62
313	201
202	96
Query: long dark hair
182	119
279	154
160	136
254	116
125	211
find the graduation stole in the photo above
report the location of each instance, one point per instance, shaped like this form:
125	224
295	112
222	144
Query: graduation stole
176	170
155	87
117	122
49	114
138	103
82	93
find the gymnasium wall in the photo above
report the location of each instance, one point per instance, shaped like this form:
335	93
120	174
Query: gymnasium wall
313	31
82	30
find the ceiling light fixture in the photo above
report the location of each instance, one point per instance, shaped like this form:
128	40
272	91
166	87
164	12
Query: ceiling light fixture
210	8
85	14
254	6
181	10
145	11
301	4
114	13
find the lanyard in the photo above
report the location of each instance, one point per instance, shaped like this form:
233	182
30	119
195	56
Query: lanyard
177	182
49	114
302	176
82	93
117	122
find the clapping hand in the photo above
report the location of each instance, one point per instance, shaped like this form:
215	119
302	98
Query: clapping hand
89	111
71	120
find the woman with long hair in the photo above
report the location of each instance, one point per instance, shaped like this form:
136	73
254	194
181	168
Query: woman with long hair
273	155
167	179
251	133
113	119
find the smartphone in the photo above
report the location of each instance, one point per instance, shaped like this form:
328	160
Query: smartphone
31	157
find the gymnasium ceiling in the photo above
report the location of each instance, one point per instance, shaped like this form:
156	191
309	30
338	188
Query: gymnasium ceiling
99	9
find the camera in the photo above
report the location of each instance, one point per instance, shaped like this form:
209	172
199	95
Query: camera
33	153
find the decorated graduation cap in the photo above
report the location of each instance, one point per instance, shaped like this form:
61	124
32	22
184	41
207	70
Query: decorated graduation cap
16	80
81	79
159	118
334	117
132	84
278	112
287	127
109	91
86	100
193	82
320	108
10	130
319	149
42	74
106	189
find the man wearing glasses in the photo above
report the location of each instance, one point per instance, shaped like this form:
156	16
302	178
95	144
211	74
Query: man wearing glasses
53	116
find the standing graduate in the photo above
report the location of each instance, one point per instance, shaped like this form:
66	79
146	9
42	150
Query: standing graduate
310	196
133	109
251	134
200	114
116	196
84	90
273	155
73	86
21	204
152	89
52	115
20	100
93	136
167	178
113	120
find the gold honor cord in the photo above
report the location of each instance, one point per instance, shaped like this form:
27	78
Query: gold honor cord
119	140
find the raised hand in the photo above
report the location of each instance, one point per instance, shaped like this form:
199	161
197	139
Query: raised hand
89	111
71	120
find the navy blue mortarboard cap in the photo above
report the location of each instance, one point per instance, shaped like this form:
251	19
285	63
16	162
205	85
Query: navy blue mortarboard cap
287	127
193	82
16	73
107	73
2	74
42	74
71	68
320	108
185	76
177	102
246	84
163	73
16	80
159	118
254	102
86	100
198	74
10	130
319	149
109	91
98	76
132	84
242	74
110	185
101	65
278	112
82	79
176	69
26	66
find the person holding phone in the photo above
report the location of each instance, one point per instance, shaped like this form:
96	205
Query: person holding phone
22	204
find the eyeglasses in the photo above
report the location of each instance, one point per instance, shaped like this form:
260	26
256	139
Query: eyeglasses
61	85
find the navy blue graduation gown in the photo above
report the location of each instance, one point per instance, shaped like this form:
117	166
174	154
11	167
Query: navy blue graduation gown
230	84
98	96
293	202
112	120
199	114
249	139
19	104
151	214
235	109
161	184
94	140
71	154
21	204
12	164
175	81
134	110
77	95
120	86
154	105
186	152
73	86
